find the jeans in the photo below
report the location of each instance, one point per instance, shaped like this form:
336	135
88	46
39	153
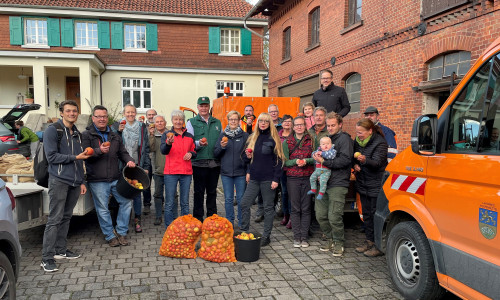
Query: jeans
285	200
368	208
329	213
63	199
147	192
268	194
205	179
229	184
100	194
301	207
170	184
138	205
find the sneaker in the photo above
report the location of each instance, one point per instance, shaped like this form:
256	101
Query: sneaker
296	244
311	192
265	241
338	249
68	255
146	210
259	219
326	246
364	247
137	223
319	197
304	244
114	242
157	221
49	265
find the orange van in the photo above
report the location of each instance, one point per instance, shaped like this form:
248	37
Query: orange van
437	215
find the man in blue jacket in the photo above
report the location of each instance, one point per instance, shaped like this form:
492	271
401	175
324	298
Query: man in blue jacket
371	113
66	183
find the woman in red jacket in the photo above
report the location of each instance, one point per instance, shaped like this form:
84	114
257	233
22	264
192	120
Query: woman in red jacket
178	146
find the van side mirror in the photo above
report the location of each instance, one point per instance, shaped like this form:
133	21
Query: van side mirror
424	135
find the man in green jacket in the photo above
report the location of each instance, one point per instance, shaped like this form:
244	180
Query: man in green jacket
206	169
27	136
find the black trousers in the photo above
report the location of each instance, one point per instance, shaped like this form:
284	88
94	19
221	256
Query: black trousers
368	207
205	180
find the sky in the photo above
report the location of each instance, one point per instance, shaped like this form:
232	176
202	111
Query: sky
252	1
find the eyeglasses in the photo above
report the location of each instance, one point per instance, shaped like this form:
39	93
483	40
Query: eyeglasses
299	125
263	121
234	120
326	78
274	112
100	117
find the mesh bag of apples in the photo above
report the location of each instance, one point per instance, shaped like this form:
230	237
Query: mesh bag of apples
217	240
181	237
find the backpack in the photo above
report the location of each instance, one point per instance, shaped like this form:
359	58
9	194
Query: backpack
40	163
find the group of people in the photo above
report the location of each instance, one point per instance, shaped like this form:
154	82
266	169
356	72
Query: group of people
252	156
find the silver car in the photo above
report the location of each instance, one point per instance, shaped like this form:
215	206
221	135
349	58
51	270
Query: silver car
8	143
10	248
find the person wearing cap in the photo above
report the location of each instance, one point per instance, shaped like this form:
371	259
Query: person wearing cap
330	96
371	113
206	168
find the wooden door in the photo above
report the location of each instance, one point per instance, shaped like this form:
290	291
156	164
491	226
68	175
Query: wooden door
73	89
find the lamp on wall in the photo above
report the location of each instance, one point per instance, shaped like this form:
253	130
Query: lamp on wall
22	76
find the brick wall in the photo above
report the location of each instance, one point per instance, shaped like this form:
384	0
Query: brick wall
386	50
179	46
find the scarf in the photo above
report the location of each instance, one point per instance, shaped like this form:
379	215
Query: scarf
232	133
363	143
131	137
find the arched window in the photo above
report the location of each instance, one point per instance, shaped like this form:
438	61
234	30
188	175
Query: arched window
444	65
353	90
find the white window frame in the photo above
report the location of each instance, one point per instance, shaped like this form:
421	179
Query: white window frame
349	82
236	88
131	37
87	32
233	44
140	85
41	38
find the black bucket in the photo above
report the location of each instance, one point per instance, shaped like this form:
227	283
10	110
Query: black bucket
247	250
125	189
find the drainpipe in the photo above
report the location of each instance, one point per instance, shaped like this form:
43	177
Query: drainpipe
254	8
100	83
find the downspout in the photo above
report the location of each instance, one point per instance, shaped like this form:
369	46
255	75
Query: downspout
100	83
254	8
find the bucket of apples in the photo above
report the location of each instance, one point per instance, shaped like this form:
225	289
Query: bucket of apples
246	246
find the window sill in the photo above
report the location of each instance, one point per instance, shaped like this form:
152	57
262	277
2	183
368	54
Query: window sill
135	50
230	54
285	60
87	48
36	46
351	27
312	47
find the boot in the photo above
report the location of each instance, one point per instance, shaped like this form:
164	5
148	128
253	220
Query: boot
373	252
137	222
364	247
285	220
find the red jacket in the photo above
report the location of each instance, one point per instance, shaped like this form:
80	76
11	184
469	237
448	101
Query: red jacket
174	162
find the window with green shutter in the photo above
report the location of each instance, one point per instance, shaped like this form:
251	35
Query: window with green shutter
67	33
229	41
53	32
35	32
104	41
116	35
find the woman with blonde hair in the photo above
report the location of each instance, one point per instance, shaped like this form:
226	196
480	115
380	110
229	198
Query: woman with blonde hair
265	157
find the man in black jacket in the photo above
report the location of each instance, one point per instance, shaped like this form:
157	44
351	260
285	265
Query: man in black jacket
330	209
332	97
103	173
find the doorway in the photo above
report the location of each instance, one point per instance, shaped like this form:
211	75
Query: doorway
73	89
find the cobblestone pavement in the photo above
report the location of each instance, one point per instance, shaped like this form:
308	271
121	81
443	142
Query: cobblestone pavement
138	272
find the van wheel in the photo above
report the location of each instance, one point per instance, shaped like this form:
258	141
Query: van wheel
410	263
7	279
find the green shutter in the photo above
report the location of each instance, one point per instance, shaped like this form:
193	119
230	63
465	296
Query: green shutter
16	30
67	33
116	35
246	42
103	29
151	37
213	40
53	35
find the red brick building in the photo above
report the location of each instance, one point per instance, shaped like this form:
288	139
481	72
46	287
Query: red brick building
395	55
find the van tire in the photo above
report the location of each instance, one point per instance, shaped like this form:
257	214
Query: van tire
410	262
8	283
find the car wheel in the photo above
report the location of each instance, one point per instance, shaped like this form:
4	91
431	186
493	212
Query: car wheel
7	279
410	263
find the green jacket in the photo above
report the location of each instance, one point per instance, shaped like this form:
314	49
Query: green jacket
317	137
27	135
210	131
